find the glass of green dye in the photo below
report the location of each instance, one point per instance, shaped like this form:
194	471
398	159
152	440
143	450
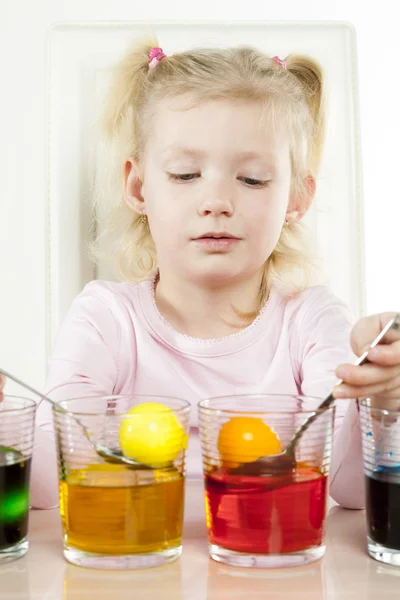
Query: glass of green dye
17	419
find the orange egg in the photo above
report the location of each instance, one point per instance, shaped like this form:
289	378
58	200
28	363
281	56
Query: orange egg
244	439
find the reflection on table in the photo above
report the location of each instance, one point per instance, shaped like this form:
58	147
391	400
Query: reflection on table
346	572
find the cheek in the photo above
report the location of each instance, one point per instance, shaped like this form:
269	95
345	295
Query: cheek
266	235
264	230
267	219
164	218
164	205
155	200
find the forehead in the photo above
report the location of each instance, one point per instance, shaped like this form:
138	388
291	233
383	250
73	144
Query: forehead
246	129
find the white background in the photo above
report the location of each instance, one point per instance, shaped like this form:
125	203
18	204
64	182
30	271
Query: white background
23	162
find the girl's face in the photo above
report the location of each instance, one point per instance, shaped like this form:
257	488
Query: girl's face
215	186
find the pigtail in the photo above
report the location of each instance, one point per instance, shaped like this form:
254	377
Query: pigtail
115	226
295	257
127	90
310	75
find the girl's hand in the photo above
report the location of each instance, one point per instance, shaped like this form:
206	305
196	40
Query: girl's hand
381	379
2	384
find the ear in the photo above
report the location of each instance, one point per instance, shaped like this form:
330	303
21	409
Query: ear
133	183
299	203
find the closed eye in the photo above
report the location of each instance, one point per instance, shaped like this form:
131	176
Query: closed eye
257	183
249	181
182	177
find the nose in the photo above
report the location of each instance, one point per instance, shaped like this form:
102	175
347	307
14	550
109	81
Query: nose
217	201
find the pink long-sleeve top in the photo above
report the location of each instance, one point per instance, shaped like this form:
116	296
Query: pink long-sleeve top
115	341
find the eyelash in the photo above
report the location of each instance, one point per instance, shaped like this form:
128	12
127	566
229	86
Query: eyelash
256	183
180	176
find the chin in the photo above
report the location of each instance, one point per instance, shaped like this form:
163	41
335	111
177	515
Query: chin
215	276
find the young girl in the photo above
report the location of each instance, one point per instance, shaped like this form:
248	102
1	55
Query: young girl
211	163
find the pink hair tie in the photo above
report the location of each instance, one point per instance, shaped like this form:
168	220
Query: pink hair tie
280	61
155	55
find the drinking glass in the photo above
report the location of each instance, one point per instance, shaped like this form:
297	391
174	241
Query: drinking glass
116	516
381	450
266	519
17	419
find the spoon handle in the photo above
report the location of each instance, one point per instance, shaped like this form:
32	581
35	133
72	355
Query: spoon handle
26	386
394	323
87	433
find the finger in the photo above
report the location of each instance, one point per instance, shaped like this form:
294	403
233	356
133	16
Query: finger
386	354
366	374
366	330
389	389
382	401
2	384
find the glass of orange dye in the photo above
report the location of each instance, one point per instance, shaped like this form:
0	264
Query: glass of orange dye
116	516
264	519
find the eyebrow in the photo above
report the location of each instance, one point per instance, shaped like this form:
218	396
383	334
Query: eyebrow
193	153
181	151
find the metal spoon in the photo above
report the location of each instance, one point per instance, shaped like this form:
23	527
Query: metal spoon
106	453
285	461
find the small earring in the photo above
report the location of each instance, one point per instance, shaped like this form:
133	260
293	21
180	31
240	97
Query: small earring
143	219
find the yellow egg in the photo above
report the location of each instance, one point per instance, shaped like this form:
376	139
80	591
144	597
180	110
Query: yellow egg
152	434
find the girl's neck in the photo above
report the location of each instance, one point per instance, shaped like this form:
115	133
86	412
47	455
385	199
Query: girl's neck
206	312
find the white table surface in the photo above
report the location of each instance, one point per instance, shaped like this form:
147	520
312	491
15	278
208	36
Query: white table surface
346	571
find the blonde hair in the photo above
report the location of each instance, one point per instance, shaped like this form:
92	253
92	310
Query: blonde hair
293	95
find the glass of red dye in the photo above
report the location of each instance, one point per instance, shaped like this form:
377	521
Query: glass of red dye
265	520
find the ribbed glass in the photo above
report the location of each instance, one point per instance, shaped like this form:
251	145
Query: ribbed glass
380	427
115	515
264	519
17	419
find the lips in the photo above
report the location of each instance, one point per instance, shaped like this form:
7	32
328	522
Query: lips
218	242
223	235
